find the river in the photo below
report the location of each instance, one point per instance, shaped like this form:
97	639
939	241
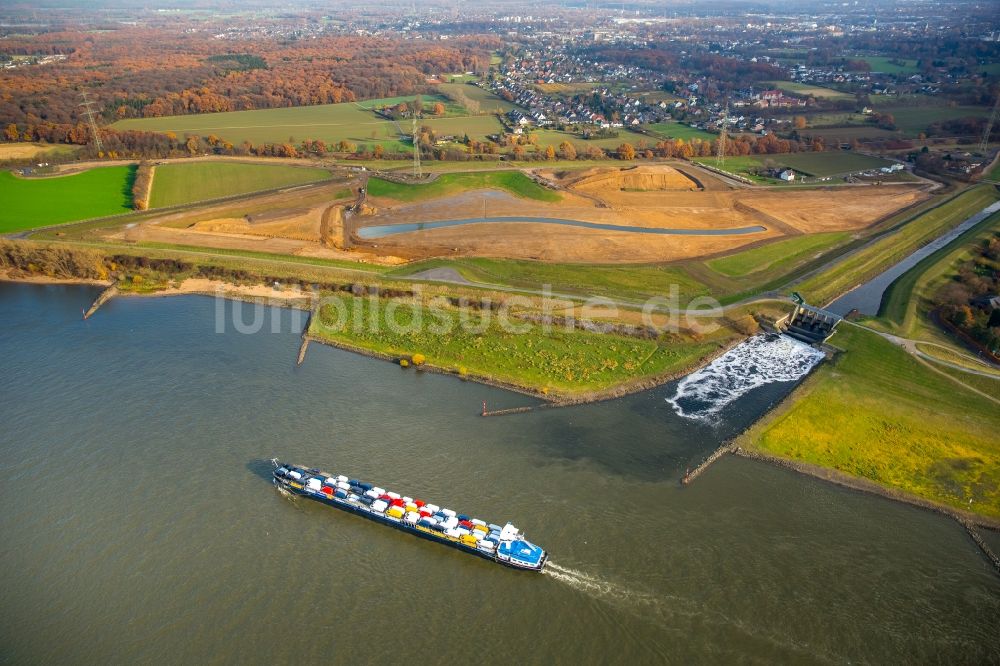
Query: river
867	298
139	524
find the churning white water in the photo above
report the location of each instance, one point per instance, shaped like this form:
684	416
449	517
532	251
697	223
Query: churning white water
748	365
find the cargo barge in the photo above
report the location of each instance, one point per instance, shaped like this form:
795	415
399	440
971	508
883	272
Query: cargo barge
504	545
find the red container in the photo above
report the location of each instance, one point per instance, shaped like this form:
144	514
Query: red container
419	503
466	524
398	502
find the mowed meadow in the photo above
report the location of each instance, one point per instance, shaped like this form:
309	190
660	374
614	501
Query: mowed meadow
181	183
353	122
37	202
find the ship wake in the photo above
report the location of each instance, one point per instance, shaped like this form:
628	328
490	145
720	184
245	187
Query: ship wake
749	365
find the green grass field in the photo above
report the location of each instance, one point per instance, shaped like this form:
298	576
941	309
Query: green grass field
477	127
807	90
830	163
180	183
776	255
874	258
820	165
882	65
514	182
680	131
38	202
913	120
866	414
488	102
328	122
547	137
557	362
637	282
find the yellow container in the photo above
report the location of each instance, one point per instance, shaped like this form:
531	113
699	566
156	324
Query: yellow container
469	540
481	528
412	507
395	512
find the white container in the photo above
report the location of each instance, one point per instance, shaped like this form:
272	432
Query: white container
393	495
448	512
379	491
450	522
412	518
371	493
379	505
295	475
314	484
343	485
433	508
329	481
488	546
462	531
476	521
342	479
408	500
452	532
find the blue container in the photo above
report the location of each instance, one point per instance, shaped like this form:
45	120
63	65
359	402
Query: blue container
342	494
366	486
462	516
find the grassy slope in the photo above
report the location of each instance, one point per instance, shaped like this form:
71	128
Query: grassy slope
869	261
181	183
905	297
866	414
514	182
776	255
30	203
637	282
560	362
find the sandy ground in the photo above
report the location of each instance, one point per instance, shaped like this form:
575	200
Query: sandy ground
18	151
548	242
308	223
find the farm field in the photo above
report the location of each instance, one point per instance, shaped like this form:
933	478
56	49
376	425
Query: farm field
477	127
555	137
558	362
830	163
913	120
180	183
328	122
820	165
807	90
38	202
680	131
868	262
511	181
883	65
488	102
26	150
865	414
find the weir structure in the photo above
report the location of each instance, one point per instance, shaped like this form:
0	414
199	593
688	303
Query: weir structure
808	324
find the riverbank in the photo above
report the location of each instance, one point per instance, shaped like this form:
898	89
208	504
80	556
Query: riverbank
511	348
581	366
875	414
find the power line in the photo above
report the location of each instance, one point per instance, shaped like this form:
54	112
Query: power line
416	149
721	156
89	112
984	143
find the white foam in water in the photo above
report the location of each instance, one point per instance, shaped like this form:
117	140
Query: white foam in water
748	365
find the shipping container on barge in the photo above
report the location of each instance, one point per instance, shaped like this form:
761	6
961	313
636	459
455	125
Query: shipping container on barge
505	545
